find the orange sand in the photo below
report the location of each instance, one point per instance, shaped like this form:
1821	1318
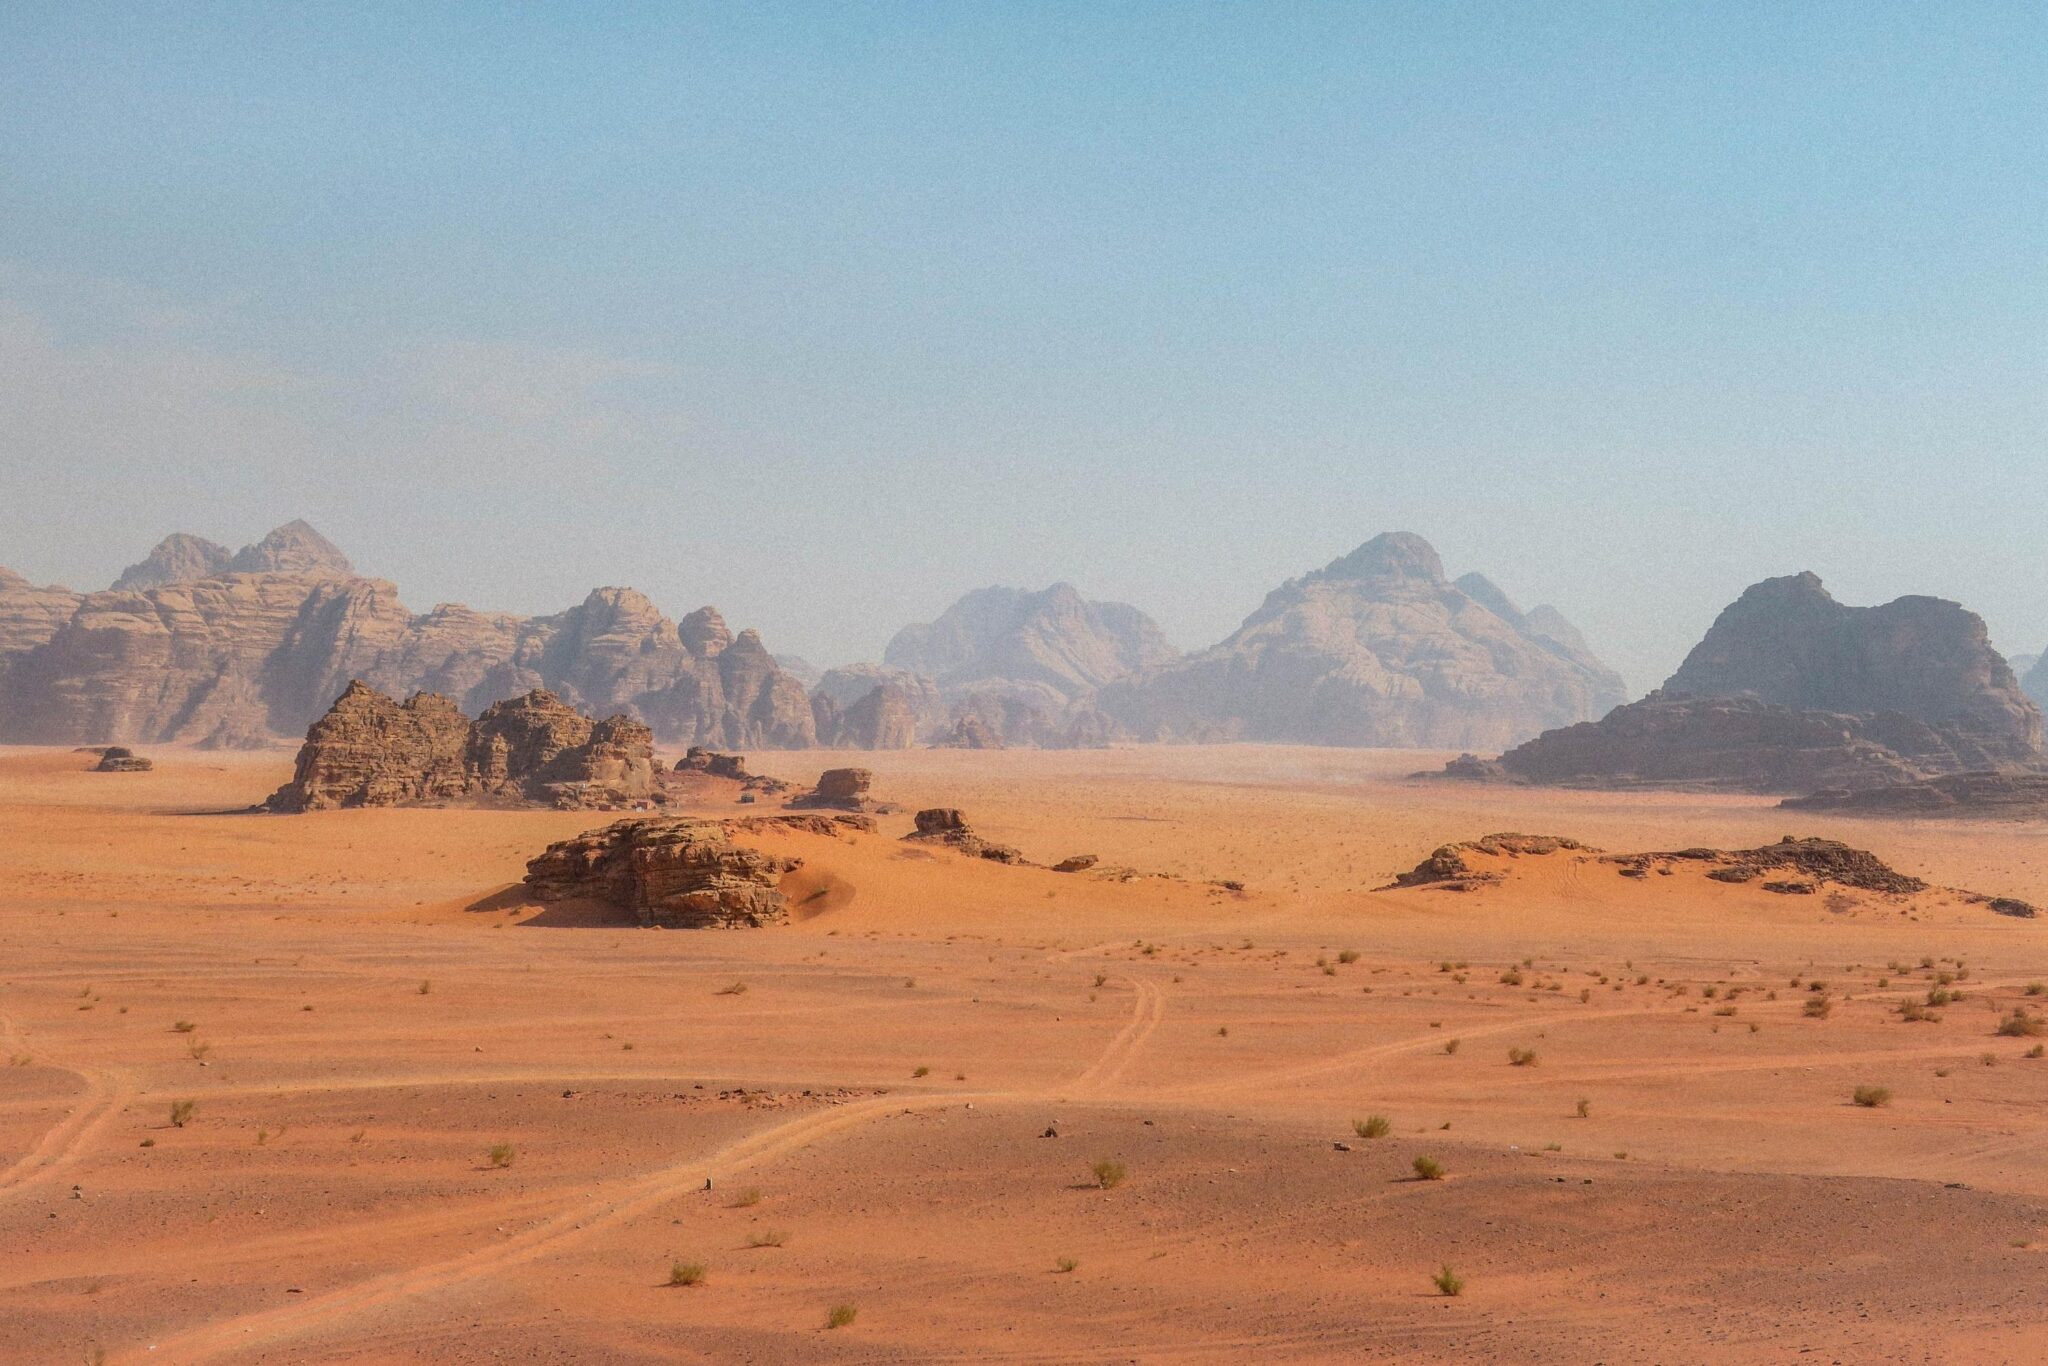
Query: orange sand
373	1007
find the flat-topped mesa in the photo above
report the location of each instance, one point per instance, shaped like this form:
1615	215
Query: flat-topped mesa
945	825
669	871
372	750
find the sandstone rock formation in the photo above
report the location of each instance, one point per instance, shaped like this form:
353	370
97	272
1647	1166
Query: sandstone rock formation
842	789
970	731
120	759
371	750
1792	691
732	768
945	825
30	615
255	652
671	872
1376	648
178	558
2034	679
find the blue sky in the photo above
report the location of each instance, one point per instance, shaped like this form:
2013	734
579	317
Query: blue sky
827	314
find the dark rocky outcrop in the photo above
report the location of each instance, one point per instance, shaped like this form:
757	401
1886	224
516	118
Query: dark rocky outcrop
372	750
1791	691
1815	861
255	650
946	826
120	759
1987	796
1376	648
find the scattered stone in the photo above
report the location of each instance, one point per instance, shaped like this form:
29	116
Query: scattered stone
1079	863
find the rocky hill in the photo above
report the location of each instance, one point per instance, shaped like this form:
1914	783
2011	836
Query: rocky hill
1375	648
252	653
1790	691
373	750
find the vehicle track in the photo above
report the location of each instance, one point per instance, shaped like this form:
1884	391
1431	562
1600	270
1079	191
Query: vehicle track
635	1196
106	1095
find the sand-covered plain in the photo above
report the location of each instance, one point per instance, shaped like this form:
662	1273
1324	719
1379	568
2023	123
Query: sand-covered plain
373	1008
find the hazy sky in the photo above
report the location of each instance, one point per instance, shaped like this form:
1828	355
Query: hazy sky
828	313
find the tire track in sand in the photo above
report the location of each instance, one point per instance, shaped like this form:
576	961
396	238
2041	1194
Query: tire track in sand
106	1095
637	1196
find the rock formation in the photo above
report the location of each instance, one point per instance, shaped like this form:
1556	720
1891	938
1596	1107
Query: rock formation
2034	679
1995	796
945	825
971	731
371	750
178	558
1025	665
842	789
255	651
1791	691
1812	864
120	759
669	871
1376	648
30	615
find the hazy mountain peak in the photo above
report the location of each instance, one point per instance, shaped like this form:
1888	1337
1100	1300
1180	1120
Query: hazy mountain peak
178	558
294	548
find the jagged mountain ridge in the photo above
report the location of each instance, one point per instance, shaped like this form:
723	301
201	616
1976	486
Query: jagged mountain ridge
250	655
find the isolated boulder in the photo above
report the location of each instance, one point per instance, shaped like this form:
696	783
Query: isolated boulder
945	825
119	759
843	789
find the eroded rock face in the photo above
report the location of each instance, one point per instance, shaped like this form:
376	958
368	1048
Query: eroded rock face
843	789
1376	648
945	825
30	615
972	731
255	649
669	871
1791	691
372	750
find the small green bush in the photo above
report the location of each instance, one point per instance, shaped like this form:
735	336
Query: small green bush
1448	1282
1372	1126
1108	1175
1429	1169
1871	1097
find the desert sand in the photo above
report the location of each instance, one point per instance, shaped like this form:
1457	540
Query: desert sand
430	1121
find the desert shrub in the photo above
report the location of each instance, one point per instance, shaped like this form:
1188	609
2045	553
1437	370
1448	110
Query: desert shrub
1448	1282
1429	1169
426	988
1348	956
767	1237
1521	1057
736	989
181	1112
922	1072
1451	1045
1064	1265
1941	996
1108	1175
1912	1012
1372	1126
1818	1008
2020	1025
1101	979
2037	988
1871	1097
841	1315
686	1273
1511	978
1584	1109
2037	1050
746	1199
501	1154
184	1027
